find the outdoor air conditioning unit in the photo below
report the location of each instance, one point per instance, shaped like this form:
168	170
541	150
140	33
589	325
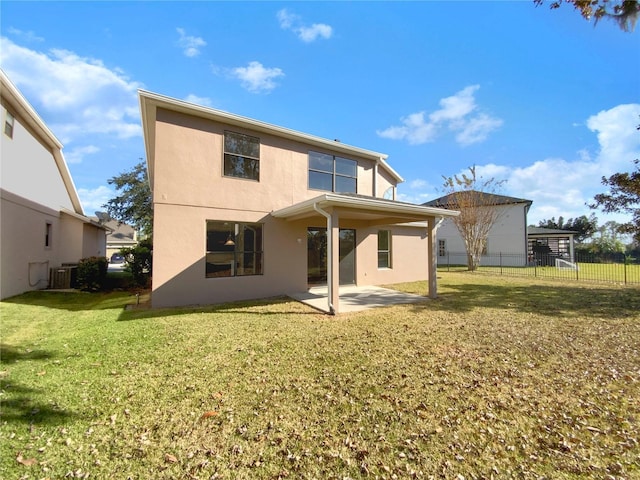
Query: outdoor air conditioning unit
63	277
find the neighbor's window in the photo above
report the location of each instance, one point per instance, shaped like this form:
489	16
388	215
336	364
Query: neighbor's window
442	248
241	156
233	249
384	249
48	235
8	124
331	173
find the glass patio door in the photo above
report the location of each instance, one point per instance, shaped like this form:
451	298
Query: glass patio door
317	256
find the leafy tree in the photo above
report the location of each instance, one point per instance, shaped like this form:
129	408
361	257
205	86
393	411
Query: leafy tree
623	12
476	199
623	196
584	226
134	204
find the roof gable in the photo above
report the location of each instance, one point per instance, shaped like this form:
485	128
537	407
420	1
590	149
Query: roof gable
27	114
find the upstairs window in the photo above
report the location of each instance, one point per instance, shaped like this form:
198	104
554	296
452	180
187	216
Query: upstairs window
331	173
384	249
8	124
241	156
48	235
233	249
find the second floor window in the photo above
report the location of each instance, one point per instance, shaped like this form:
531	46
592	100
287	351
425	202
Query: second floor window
241	156
8	124
331	173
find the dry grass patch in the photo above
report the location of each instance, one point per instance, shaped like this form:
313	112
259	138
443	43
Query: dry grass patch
497	378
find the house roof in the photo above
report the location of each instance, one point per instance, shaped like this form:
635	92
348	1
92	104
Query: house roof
27	114
488	199
545	232
363	207
150	102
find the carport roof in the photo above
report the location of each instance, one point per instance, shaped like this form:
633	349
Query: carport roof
363	207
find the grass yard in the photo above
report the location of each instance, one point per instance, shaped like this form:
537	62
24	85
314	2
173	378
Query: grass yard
498	378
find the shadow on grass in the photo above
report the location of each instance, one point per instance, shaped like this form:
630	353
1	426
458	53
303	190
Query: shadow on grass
266	306
74	301
544	299
18	405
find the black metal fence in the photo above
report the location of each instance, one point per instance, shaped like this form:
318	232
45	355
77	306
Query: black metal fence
611	268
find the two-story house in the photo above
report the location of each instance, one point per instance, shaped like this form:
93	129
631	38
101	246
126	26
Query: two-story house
244	209
507	239
42	223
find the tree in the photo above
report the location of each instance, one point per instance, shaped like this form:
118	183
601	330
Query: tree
583	226
134	204
624	12
476	200
624	197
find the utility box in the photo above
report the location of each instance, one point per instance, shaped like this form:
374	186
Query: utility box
63	277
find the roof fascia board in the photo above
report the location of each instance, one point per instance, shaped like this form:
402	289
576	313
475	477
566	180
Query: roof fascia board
150	101
383	206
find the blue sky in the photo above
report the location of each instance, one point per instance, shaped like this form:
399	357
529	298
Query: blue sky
538	98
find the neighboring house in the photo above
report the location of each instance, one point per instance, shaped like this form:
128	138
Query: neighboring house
242	209
546	244
120	236
507	240
42	224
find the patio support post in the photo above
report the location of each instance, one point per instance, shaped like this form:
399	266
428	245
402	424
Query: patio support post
333	298
432	259
334	240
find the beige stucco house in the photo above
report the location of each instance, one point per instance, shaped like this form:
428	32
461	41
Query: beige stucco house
42	224
244	209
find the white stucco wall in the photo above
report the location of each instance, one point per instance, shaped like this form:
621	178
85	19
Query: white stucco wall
28	169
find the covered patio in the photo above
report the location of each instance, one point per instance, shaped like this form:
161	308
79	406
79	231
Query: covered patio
356	299
337	208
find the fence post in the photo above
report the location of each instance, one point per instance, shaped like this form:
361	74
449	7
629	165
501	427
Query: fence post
500	263
448	262
625	269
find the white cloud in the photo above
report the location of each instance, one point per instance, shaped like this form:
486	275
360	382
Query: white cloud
28	36
190	45
561	187
82	94
191	98
306	33
76	155
93	199
457	113
418	183
256	78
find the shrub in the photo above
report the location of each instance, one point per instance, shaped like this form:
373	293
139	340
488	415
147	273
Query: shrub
92	273
139	262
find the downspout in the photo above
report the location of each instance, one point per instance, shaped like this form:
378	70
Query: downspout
329	257
375	179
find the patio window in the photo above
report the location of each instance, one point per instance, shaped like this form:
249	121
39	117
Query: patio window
442	248
331	173
8	124
241	156
233	249
384	249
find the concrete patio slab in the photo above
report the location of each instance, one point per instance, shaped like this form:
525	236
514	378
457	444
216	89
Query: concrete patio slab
355	299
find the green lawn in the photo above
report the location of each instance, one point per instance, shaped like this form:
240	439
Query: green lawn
499	377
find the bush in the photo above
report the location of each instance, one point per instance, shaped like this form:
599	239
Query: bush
92	273
139	262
